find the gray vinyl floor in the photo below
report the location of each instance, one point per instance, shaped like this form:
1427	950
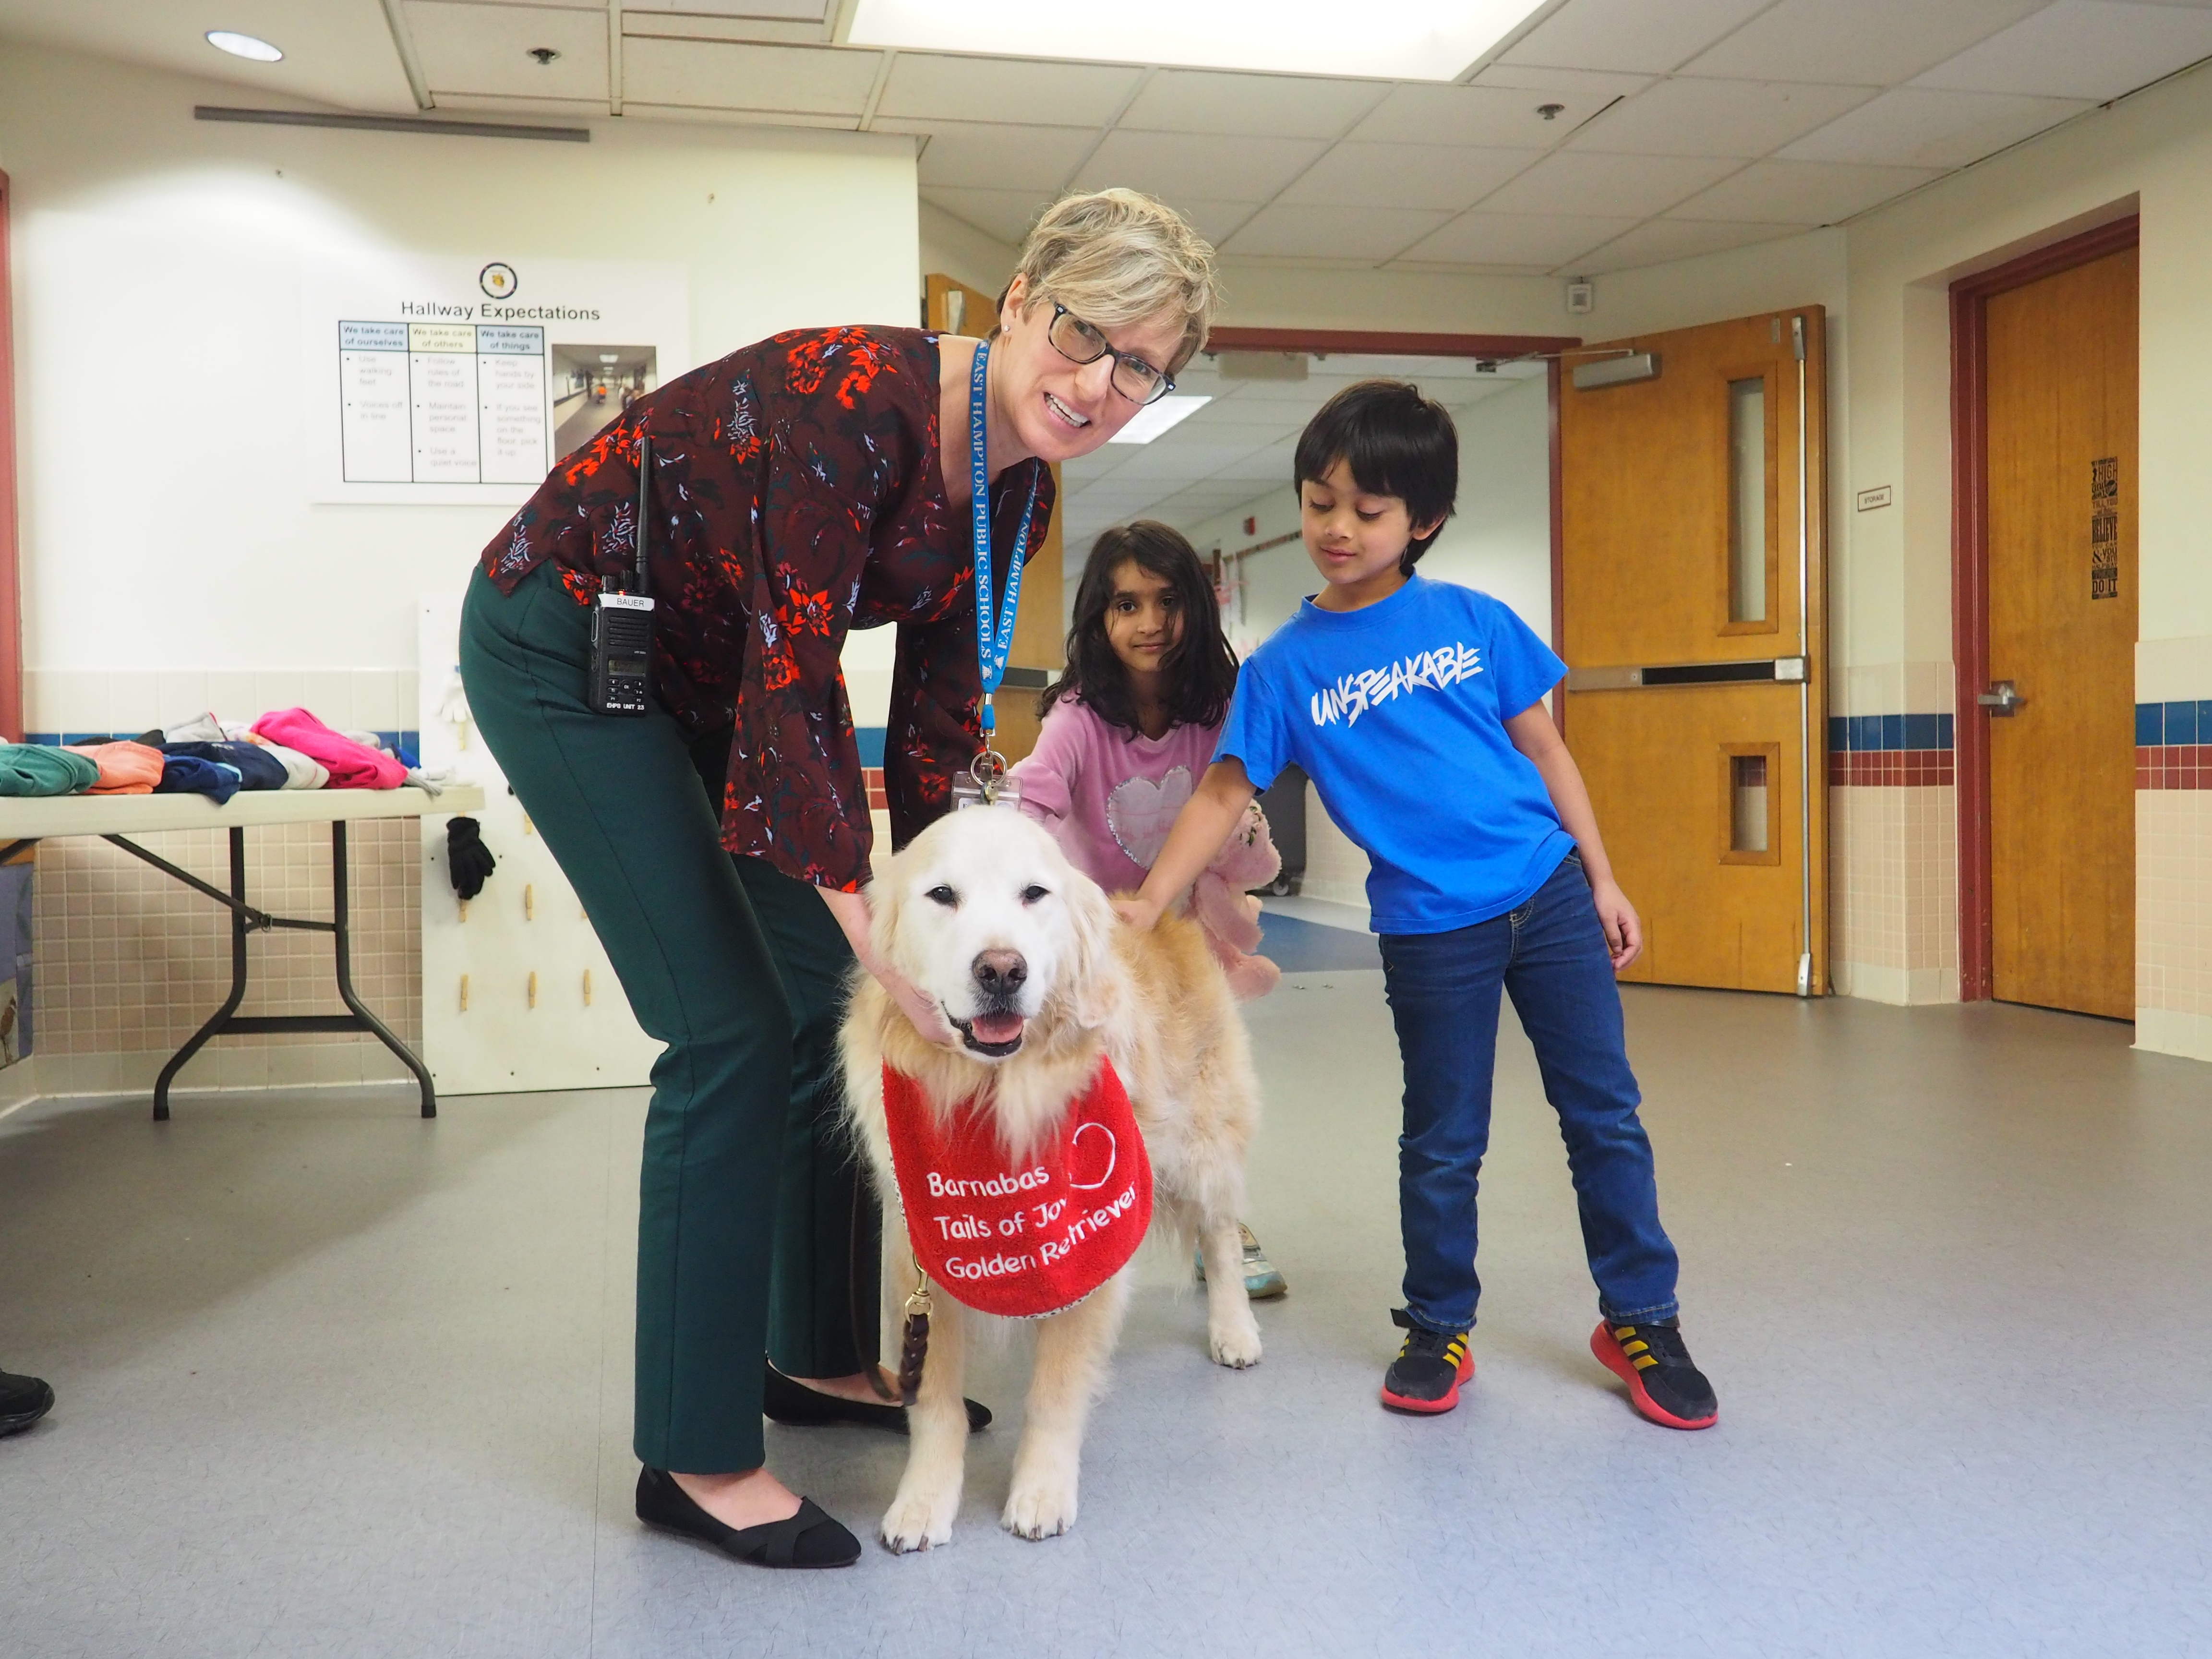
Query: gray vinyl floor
336	1381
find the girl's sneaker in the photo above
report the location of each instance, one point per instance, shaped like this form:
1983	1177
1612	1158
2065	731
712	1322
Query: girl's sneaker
1262	1281
1426	1375
1663	1382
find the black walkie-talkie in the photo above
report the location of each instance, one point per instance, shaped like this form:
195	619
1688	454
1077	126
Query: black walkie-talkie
621	624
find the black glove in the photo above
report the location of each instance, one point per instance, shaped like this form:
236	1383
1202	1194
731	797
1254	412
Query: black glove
468	860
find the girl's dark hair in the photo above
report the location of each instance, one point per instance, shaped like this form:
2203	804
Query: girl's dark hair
1200	671
1396	442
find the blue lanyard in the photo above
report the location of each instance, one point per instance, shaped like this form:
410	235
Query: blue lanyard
992	644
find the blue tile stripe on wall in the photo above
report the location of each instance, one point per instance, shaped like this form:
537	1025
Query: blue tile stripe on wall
2160	724
1866	734
411	741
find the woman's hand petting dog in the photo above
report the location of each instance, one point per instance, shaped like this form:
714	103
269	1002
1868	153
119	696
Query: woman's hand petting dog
928	1014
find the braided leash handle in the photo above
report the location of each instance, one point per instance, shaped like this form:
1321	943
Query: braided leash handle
914	1344
912	1352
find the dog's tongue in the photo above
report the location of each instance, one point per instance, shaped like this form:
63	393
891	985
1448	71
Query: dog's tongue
996	1028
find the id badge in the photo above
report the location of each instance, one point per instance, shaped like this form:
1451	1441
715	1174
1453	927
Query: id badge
987	783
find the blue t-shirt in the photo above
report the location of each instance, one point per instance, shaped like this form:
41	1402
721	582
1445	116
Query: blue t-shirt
1397	712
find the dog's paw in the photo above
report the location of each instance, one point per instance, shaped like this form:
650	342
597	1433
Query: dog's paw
917	1522
1234	1343
1042	1509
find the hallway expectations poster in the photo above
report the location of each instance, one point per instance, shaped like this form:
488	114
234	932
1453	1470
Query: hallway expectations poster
462	380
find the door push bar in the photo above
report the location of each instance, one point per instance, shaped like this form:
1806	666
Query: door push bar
1790	671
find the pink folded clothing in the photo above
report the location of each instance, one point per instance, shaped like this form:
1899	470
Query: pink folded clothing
352	765
126	769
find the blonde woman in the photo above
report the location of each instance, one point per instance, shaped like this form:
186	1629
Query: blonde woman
818	481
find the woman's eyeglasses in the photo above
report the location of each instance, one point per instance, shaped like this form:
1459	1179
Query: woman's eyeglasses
1077	341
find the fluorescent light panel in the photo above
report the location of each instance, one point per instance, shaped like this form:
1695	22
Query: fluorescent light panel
1395	40
1153	419
244	46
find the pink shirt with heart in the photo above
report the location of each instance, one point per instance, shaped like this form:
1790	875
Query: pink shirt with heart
1109	797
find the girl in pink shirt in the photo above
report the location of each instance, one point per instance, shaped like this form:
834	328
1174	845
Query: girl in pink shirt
1129	727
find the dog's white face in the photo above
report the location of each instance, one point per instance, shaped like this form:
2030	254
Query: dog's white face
984	913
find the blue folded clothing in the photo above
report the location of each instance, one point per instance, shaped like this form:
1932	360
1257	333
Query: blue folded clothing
257	767
188	775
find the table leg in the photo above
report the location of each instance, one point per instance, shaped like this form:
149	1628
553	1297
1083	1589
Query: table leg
342	939
198	1039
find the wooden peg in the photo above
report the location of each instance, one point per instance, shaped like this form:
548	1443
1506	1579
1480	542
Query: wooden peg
533	990
463	905
465	993
588	987
529	902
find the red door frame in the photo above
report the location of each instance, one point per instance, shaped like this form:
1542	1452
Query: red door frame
1364	342
1969	564
11	611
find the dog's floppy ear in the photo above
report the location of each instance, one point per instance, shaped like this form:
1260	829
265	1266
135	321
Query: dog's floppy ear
1094	984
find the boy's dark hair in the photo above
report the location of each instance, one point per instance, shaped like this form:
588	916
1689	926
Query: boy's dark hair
1396	443
1200	671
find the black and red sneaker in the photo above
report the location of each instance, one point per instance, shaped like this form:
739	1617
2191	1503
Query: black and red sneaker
1426	1375
1662	1382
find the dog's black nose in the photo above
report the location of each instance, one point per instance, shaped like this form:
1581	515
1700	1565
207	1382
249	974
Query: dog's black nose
1000	972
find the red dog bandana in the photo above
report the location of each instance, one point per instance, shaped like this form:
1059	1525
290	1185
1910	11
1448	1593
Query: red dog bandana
1022	1239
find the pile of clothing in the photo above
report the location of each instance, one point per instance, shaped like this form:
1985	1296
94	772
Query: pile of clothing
289	748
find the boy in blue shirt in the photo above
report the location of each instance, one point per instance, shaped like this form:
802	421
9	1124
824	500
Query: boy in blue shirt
1415	708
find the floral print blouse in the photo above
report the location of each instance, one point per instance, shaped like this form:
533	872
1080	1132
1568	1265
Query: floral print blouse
797	493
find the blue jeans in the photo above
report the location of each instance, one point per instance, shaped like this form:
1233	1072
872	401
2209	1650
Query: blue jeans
1551	956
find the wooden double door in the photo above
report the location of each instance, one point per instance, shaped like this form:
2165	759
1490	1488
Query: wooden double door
1691	469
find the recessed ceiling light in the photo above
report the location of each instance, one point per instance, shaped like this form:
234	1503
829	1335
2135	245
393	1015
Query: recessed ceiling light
1399	39
1153	419
609	356
244	46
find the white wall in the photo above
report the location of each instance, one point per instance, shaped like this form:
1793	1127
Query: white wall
1499	540
165	520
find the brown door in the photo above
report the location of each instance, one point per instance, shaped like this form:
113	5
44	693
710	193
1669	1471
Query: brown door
1691	527
2061	379
953	307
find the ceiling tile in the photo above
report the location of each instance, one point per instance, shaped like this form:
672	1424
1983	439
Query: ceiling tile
1169	165
811	11
2089	49
1914	127
1636	35
1044	95
1262	105
1658	241
1006	214
1216	220
1406	175
1801	192
1743	118
1596	88
1534	239
486	48
971	153
1342	233
1634	186
1865	43
1502	116
721	74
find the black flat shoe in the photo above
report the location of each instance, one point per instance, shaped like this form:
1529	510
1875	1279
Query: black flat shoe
796	1406
808	1538
25	1399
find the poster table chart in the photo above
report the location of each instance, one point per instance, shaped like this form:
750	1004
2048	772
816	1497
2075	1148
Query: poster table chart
26	820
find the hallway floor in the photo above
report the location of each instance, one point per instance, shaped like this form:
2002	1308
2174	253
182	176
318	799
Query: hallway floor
334	1380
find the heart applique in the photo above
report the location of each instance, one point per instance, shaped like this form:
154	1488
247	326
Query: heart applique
1140	813
1095	1160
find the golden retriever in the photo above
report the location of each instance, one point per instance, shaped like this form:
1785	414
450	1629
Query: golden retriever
1039	977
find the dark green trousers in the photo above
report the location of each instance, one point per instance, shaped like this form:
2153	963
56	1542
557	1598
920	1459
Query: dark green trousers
756	1233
